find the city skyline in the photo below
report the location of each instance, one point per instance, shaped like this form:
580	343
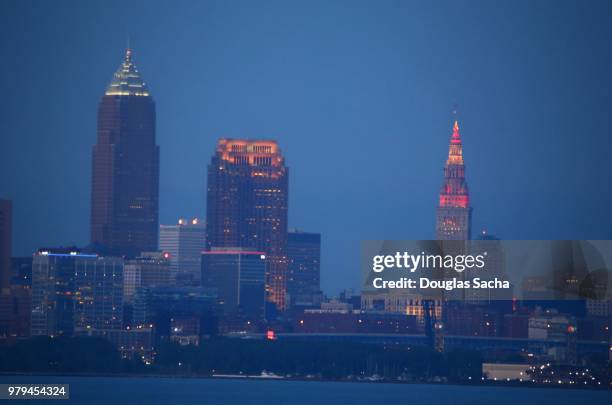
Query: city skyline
395	194
512	140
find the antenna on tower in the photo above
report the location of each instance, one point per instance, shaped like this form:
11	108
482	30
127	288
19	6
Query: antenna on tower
455	120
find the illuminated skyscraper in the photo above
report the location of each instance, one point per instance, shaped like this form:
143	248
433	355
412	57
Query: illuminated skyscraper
454	214
247	203
125	170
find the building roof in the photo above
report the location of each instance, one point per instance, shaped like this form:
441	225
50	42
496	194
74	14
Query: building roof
127	80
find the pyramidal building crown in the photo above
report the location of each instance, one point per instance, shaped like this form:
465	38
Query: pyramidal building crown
127	80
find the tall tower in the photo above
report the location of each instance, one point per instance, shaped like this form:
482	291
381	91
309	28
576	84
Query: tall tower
125	169
454	214
247	204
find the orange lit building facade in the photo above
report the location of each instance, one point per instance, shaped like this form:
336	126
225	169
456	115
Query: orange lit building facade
247	205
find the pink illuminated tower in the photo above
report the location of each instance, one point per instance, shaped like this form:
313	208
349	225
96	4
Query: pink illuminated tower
454	214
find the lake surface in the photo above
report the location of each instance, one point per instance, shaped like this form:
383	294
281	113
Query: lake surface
187	391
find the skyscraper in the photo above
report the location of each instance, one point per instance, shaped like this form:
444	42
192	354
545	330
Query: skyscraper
98	293
71	289
184	242
454	214
14	297
304	269
238	274
52	289
125	169
5	246
247	204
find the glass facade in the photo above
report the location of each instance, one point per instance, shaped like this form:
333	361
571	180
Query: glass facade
239	277
184	243
247	205
304	270
75	290
125	179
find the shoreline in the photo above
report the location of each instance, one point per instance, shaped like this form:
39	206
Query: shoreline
486	383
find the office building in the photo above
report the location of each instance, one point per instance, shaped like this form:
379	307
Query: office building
72	289
15	310
98	292
5	245
304	268
125	169
148	270
238	275
188	309
184	242
21	270
247	204
400	302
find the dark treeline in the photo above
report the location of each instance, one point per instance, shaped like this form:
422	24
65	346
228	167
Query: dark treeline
65	355
329	360
325	360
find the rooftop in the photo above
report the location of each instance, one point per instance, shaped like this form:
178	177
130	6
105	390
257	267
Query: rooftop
127	80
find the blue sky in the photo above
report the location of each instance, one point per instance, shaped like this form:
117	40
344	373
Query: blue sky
358	93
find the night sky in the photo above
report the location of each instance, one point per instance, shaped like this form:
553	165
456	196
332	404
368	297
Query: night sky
359	95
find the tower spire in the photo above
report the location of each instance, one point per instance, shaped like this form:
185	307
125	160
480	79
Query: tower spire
454	212
455	149
128	49
127	80
456	137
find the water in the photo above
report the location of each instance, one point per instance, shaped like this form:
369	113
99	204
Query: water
128	390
